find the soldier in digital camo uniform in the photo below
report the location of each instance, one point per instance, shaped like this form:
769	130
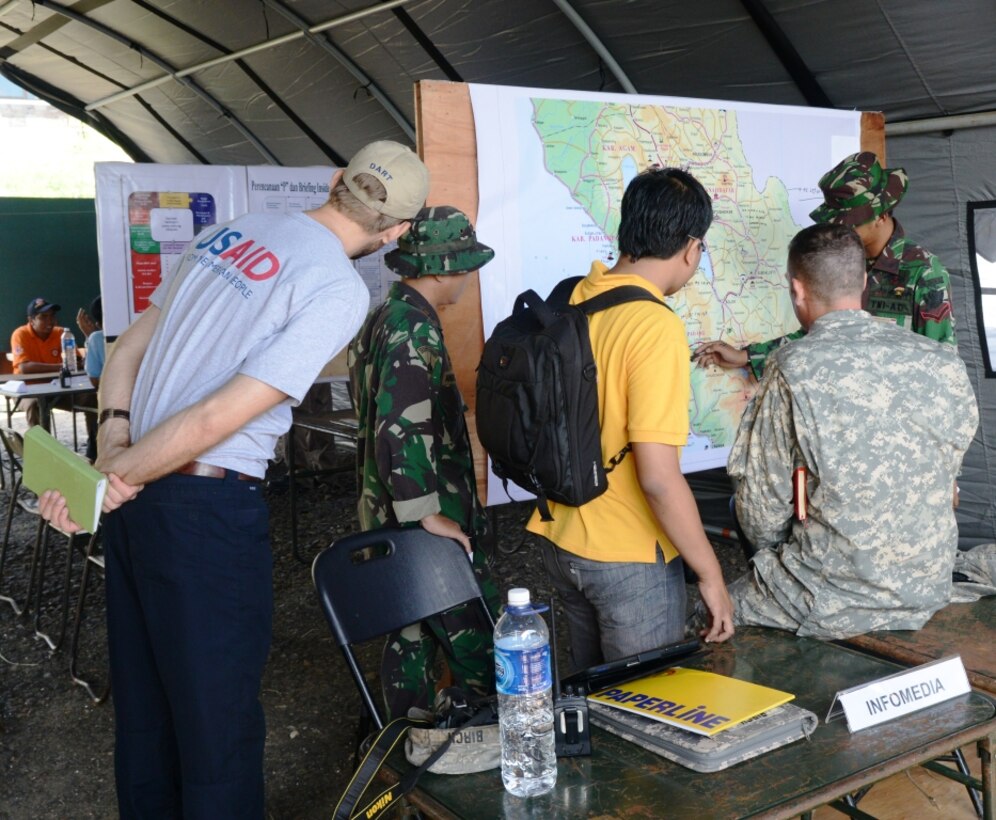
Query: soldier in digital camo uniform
880	419
907	284
414	462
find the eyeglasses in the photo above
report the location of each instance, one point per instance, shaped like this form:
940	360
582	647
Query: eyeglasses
702	244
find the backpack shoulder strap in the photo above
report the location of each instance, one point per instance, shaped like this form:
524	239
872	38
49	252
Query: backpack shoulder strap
618	296
560	296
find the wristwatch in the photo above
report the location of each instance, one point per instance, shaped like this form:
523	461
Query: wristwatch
112	413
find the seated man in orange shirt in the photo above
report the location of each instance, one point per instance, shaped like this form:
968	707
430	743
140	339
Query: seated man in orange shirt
37	348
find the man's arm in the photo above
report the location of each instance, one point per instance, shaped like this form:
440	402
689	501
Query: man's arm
177	441
761	462
118	381
754	356
721	354
36	367
85	323
659	473
114	434
194	430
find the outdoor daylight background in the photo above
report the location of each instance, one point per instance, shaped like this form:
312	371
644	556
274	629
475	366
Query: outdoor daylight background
47	153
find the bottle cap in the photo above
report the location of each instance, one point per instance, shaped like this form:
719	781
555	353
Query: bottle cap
518	596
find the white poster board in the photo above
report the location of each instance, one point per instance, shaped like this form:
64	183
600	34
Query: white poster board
147	213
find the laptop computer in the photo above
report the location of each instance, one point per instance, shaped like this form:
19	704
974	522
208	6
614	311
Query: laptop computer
596	678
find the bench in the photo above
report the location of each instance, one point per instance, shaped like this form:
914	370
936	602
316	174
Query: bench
968	630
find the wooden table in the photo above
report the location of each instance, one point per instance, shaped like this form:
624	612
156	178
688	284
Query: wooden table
968	630
623	780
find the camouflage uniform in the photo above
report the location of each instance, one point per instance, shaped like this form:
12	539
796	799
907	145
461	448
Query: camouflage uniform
413	460
881	419
906	283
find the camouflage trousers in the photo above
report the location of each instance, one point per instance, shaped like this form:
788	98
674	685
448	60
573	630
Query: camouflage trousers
408	669
753	605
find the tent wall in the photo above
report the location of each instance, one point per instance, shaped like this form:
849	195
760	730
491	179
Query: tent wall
49	248
948	170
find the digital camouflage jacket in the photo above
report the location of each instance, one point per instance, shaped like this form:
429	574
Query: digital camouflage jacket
906	283
881	419
413	450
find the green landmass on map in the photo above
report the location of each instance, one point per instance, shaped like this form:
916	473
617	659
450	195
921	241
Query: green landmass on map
593	148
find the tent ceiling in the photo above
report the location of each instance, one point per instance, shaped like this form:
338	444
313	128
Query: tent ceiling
316	98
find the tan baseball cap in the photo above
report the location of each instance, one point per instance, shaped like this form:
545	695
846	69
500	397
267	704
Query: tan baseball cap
399	169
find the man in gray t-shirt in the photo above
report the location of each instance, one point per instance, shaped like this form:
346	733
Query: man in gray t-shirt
192	402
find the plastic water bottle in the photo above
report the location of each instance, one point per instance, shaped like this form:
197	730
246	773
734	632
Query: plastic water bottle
68	351
525	698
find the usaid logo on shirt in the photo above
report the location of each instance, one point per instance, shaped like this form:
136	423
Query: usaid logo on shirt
255	261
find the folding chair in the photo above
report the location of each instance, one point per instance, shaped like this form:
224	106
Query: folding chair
94	559
373	583
38	575
13	446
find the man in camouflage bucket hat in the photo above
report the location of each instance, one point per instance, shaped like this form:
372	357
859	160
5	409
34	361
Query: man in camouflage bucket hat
880	419
907	284
414	462
441	242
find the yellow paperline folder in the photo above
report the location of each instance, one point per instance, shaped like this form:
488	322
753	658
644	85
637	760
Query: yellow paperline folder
49	465
701	702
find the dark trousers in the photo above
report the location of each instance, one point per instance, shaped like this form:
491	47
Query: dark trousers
189	611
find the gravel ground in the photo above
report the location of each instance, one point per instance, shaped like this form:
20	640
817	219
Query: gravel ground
56	745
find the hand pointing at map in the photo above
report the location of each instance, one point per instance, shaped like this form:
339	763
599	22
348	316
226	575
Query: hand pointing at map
720	354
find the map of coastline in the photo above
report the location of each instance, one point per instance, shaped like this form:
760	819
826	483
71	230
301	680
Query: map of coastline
740	293
552	169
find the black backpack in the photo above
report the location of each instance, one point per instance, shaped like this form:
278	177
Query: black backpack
537	396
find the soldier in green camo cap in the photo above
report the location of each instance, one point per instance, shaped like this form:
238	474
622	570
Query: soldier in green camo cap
414	463
907	284
440	242
859	190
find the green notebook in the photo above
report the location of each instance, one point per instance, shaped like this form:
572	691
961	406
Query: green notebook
49	465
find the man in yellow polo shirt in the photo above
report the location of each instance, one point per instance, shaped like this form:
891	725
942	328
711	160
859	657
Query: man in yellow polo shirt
617	561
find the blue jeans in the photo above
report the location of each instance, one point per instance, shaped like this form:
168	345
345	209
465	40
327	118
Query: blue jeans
615	609
189	612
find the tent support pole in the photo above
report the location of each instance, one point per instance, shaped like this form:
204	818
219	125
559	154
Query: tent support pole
244	52
593	40
346	62
117	36
953	123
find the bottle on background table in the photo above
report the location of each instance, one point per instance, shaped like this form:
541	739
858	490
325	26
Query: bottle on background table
68	351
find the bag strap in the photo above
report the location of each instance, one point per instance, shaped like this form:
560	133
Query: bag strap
546	312
385	742
618	296
560	296
379	750
530	299
604	301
